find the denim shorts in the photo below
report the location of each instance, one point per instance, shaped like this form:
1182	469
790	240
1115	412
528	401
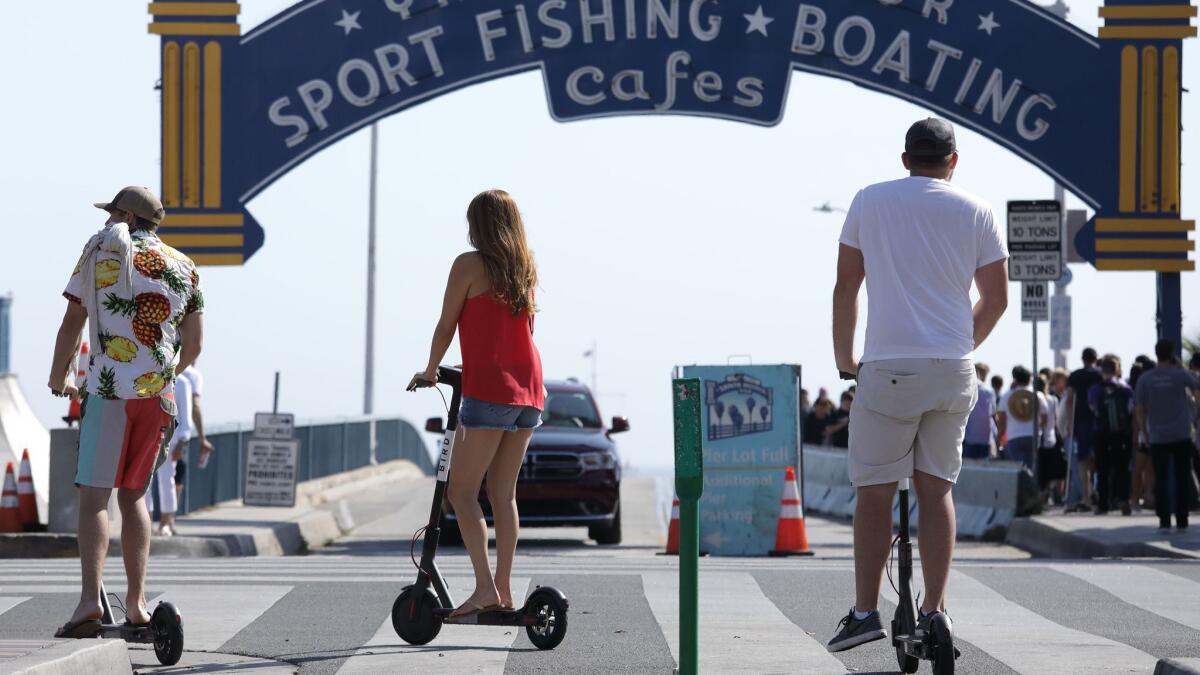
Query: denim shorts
476	414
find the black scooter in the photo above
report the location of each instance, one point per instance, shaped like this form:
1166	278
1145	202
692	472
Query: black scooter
165	630
937	646
422	608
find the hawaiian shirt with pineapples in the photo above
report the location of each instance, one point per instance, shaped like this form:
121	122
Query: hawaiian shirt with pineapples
139	336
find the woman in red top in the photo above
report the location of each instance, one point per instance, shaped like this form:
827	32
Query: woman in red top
490	300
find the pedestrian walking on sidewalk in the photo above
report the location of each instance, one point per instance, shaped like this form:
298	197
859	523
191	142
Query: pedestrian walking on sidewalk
164	477
1080	430
142	304
490	299
977	443
1017	408
918	242
1165	412
1111	402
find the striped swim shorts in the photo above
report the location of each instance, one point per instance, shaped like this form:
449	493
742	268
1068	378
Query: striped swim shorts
120	441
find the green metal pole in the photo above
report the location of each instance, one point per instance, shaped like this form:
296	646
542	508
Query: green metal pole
689	485
689	587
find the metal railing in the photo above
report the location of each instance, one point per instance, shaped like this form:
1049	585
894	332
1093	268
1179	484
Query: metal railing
326	447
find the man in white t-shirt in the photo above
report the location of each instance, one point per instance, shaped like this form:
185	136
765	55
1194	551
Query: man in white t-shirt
918	242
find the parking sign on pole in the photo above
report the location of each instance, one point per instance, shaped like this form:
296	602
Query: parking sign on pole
1035	241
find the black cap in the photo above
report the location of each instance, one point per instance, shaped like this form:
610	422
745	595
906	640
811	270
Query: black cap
930	137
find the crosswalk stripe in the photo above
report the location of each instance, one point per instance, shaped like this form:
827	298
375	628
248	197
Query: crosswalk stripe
214	614
474	649
1030	643
8	602
741	630
1143	586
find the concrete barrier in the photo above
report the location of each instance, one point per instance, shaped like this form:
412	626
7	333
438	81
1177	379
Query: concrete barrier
69	657
987	497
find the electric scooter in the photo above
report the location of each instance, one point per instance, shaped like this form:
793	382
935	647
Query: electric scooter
423	607
937	646
165	630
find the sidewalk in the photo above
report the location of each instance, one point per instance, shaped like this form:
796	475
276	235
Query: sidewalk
1083	535
324	511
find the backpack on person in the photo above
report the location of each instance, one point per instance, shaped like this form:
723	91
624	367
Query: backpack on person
1112	410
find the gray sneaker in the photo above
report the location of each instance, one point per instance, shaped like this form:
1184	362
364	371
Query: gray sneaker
853	632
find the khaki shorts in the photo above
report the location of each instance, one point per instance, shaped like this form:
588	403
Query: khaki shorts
910	414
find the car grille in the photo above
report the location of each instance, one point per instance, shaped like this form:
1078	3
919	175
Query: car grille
541	466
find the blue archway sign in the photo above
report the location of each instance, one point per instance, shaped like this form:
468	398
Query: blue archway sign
1101	114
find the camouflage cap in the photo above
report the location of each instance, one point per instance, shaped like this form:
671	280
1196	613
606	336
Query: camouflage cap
139	201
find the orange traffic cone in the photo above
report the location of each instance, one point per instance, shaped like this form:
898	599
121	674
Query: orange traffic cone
26	499
790	537
10	512
673	530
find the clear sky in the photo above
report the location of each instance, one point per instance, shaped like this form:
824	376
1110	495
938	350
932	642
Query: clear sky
665	240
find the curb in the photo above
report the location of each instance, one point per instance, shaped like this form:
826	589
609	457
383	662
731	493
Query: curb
70	657
1177	667
1043	538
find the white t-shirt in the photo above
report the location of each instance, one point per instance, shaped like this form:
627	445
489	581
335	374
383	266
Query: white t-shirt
1049	438
922	240
183	416
192	373
1016	428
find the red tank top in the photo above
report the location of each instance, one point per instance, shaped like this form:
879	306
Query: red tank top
500	362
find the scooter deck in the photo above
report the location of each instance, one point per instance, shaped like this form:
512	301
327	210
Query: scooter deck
135	634
500	617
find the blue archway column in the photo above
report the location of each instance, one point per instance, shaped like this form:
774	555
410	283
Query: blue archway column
1101	114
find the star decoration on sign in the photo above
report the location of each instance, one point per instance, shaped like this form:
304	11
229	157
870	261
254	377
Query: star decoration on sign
987	22
757	22
349	21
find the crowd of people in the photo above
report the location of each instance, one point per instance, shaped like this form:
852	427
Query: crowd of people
1107	438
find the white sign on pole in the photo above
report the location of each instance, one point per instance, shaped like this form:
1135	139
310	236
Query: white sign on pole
271	472
1035	301
277	426
1035	241
1060	322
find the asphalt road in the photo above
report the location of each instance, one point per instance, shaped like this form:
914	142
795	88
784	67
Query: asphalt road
329	612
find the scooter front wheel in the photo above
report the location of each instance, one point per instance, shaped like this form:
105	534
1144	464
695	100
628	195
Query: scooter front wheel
943	646
167	627
900	626
413	616
549	606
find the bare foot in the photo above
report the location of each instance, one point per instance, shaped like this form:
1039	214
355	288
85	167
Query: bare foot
505	593
478	599
136	612
85	611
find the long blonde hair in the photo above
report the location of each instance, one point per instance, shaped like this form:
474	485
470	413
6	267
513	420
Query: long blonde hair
496	230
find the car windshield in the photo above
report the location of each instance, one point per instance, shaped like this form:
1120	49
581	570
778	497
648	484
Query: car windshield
570	409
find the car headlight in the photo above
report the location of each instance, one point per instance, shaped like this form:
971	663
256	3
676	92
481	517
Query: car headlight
598	460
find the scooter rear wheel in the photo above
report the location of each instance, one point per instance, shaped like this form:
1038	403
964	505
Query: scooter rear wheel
167	626
943	646
550	607
906	662
413	616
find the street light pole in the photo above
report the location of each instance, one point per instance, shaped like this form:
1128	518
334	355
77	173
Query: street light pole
369	366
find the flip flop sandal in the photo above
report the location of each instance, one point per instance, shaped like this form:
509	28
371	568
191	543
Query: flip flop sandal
76	630
475	609
130	624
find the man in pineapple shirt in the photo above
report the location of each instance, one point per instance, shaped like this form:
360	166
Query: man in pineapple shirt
142	304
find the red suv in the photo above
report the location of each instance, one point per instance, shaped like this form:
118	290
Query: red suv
572	473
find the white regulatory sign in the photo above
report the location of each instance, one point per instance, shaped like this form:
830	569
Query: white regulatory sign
278	426
271	472
1035	241
1060	322
1035	301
